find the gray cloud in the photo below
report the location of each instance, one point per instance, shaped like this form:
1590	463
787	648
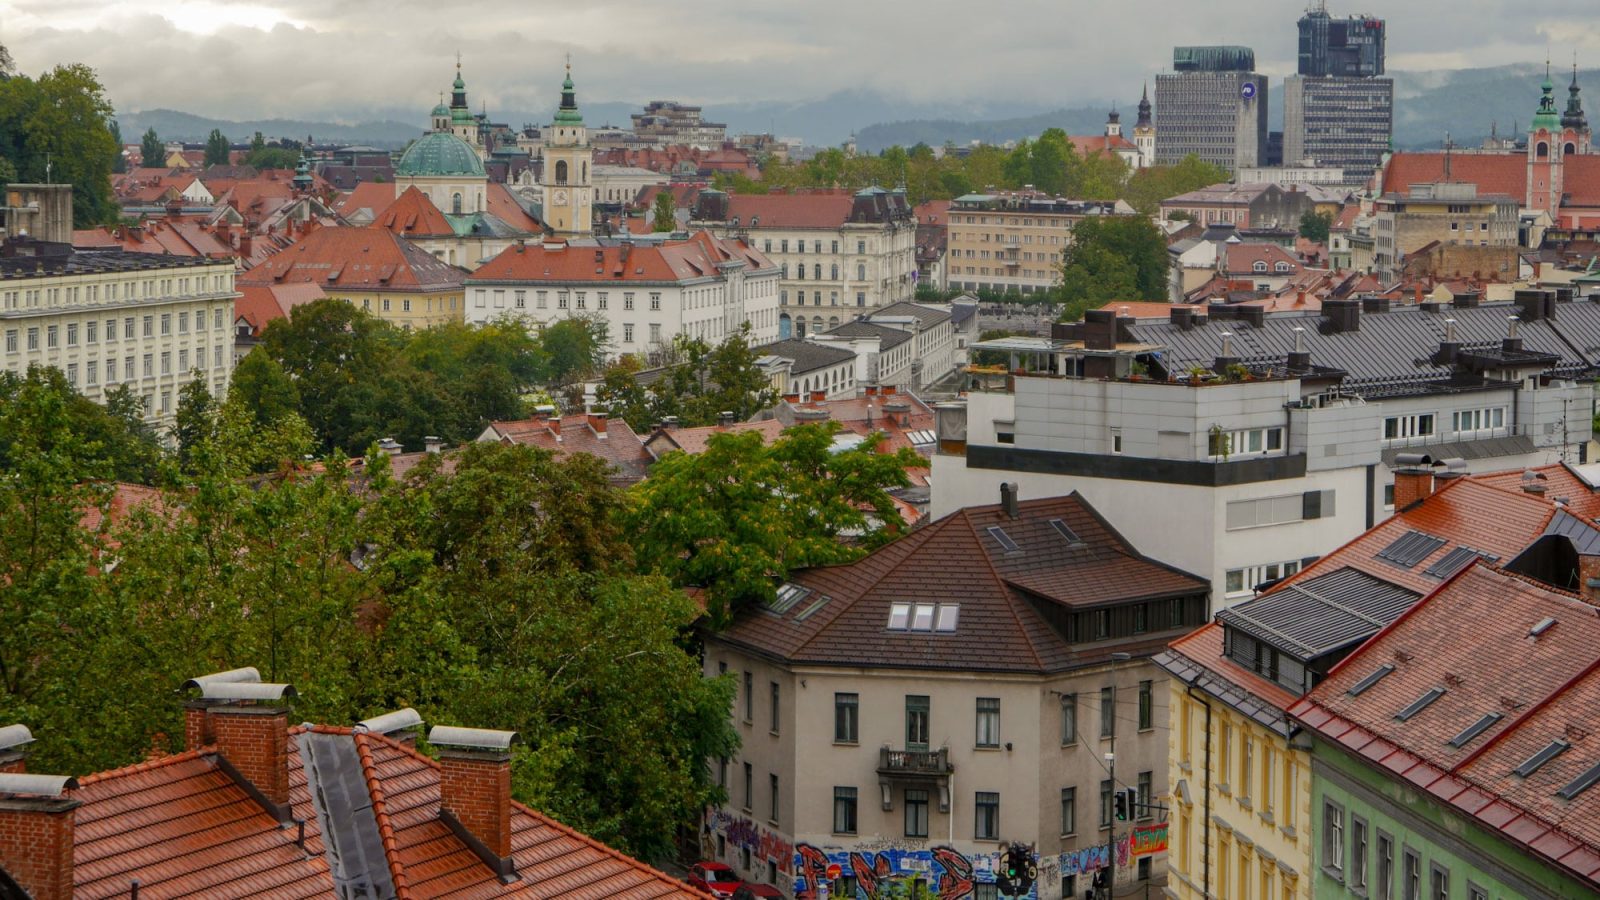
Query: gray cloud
360	59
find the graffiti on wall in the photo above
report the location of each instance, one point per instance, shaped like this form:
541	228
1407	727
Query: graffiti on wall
877	869
763	843
1143	841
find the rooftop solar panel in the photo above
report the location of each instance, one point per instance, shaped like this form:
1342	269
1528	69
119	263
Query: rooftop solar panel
1062	529
1455	561
1410	548
1475	729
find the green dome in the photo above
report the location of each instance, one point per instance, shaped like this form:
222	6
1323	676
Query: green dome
440	153
441	110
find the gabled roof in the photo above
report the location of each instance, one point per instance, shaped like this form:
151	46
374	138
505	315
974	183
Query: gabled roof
262	303
357	259
1240	259
182	826
807	356
412	214
701	256
957	560
1542	682
888	337
616	445
368	198
693	440
926	316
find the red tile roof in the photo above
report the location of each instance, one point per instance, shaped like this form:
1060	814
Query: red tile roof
372	196
412	214
182	826
693	440
357	259
955	560
810	209
1240	259
505	207
1545	688
262	303
620	446
1100	143
1493	173
697	257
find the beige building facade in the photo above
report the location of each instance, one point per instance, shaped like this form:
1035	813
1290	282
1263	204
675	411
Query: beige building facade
1447	213
1014	241
108	319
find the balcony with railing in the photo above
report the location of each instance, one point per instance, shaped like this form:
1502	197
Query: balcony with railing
919	764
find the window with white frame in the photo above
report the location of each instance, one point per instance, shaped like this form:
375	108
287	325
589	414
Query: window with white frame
1399	428
1478	421
1245	442
1243	581
1265	511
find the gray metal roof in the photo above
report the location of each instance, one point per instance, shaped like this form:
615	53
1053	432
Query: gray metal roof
1190	672
471	738
808	356
350	835
1488	448
231	676
36	785
926	316
1392	351
887	337
1585	538
1309	619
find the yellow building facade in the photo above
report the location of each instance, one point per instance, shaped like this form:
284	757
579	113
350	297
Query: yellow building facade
1241	787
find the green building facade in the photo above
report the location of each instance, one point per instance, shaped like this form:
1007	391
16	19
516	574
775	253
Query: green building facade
1382	838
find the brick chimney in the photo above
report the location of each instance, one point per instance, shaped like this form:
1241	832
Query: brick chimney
248	722
597	424
475	791
1413	480
197	731
36	833
13	758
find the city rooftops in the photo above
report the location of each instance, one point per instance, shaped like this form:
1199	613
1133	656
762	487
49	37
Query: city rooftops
22	257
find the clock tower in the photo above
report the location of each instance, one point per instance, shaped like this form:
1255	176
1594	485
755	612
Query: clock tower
568	197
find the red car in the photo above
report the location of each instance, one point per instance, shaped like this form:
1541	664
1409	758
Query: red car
714	878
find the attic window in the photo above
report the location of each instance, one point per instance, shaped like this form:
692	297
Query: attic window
1420	704
1062	529
811	610
787	596
1003	539
1555	749
1580	784
1455	561
923	616
1281	267
1476	728
1259	266
1377	675
1411	548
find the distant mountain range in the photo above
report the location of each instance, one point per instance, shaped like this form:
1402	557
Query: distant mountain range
1466	103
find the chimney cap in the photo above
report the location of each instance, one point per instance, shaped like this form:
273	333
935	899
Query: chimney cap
14	736
246	690
1413	459
37	785
471	738
231	676
390	722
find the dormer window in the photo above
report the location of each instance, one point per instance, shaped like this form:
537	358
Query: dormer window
1259	266
1281	267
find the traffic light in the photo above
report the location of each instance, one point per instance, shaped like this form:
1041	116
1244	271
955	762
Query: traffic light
1017	872
1130	803
1120	802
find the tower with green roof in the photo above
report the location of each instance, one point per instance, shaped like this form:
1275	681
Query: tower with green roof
568	197
1554	135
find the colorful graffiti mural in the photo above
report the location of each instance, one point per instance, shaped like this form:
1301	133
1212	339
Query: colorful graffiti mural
1143	841
947	873
1148	839
761	842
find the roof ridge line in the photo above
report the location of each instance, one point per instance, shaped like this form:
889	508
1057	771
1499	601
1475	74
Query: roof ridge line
380	811
1010	598
148	764
1585	672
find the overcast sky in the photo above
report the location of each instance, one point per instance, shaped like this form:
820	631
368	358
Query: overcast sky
359	59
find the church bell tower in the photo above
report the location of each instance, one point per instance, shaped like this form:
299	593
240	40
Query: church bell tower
568	197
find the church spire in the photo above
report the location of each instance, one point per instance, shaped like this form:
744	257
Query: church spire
1144	108
568	113
458	95
1574	118
1547	118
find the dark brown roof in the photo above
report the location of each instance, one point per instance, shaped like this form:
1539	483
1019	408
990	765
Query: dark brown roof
956	560
616	444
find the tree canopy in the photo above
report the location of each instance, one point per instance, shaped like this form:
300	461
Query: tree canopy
698	383
1112	258
56	129
1314	226
217	148
152	153
664	214
735	519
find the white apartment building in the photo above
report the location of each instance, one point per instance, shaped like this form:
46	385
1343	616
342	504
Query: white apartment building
1242	448
704	287
842	255
110	318
620	185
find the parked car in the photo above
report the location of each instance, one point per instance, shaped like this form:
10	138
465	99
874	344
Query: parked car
715	878
754	891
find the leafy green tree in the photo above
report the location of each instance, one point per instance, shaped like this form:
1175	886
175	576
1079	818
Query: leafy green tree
273	157
192	423
217	148
664	213
56	129
7	67
120	164
114	436
8	172
1314	225
1149	186
575	348
1113	258
260	385
257	142
152	154
700	382
735	519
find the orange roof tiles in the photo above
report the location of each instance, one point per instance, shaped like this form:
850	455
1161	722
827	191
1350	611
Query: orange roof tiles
505	207
1545	688
357	259
372	196
182	826
1240	259
697	257
262	303
1493	173
616	444
693	440
809	209
412	214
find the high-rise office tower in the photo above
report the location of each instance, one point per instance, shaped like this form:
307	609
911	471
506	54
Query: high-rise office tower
1213	105
1339	109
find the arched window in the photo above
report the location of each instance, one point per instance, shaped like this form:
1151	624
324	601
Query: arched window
834	274
1259	266
833	321
1569	149
816	324
455	203
785	327
561	172
1281	267
585	173
1541	150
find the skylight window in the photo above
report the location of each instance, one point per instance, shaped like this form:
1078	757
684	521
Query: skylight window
811	610
1003	539
1377	675
787	596
908	616
1420	704
1475	729
1555	749
1542	626
1062	529
1410	548
1581	783
899	616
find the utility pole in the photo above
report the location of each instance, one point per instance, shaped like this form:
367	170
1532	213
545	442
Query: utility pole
1111	857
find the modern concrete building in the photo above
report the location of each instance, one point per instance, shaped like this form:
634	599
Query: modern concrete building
1213	105
1346	123
912	716
1014	240
1242	441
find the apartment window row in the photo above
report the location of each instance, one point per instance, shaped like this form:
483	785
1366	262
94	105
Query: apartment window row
1242	582
1279	510
1244	442
1371	863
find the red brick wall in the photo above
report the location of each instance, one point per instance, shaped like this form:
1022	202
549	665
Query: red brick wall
258	746
36	849
196	727
1410	487
478	793
15	765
